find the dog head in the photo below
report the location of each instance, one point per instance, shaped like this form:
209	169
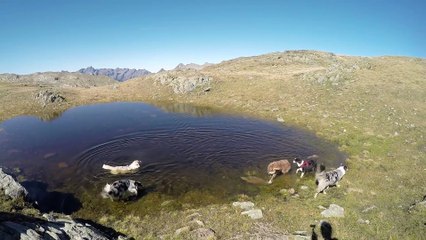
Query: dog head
135	164
297	160
344	168
106	191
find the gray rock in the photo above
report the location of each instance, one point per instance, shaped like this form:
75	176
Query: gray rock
243	205
184	81
11	187
182	230
16	226
333	211
203	234
254	213
49	96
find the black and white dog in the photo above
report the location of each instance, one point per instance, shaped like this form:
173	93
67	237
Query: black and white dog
124	189
331	178
307	165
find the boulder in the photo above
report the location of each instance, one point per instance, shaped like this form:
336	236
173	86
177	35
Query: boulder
11	187
49	96
253	214
333	211
17	226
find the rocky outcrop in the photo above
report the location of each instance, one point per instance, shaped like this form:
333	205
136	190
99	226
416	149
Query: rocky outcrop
337	71
18	226
119	74
184	81
47	96
11	187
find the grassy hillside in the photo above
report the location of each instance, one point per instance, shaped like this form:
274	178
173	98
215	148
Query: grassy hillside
372	108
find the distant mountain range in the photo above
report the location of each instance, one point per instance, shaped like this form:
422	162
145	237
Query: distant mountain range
119	74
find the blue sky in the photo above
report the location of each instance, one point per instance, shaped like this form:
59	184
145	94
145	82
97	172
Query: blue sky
54	35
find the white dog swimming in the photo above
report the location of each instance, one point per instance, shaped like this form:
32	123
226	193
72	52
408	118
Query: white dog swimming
122	169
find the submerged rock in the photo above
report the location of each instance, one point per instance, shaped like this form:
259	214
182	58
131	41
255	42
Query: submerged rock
11	188
254	180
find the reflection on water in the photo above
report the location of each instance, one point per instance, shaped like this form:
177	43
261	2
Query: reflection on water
183	156
49	116
187	109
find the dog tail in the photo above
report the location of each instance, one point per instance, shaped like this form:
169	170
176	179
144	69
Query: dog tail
108	167
314	235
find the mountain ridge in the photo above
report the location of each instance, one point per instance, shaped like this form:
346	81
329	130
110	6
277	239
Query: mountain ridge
119	74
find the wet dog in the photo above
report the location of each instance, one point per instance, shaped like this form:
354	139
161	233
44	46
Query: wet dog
307	165
123	169
124	189
278	167
324	179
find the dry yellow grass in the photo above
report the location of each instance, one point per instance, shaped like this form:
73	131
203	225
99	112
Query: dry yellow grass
372	108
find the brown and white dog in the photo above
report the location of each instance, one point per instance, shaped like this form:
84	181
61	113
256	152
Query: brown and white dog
324	179
307	165
278	167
